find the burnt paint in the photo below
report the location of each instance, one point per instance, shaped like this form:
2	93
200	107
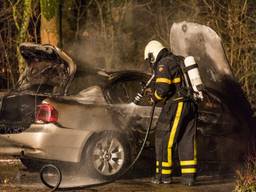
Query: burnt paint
18	112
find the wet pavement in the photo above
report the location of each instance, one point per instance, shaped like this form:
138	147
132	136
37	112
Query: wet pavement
15	178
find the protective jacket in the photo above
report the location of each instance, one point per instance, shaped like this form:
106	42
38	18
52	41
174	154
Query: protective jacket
177	121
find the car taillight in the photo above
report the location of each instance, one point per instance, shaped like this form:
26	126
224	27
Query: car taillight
46	113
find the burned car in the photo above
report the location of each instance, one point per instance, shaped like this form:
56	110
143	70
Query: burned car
32	121
53	118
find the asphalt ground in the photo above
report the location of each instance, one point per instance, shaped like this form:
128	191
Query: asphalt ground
14	177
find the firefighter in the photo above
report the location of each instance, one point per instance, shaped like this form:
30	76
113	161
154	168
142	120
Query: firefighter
176	125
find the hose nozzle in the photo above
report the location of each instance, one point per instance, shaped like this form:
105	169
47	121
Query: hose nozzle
141	93
138	98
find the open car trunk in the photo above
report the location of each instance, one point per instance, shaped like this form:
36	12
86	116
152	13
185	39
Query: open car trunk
49	71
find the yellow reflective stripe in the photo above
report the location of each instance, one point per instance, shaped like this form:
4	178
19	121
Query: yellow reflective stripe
166	171
195	149
174	129
188	170
191	162
163	80
168	81
157	170
179	98
157	96
176	80
166	164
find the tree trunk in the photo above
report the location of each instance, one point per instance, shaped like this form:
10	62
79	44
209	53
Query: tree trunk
50	22
22	36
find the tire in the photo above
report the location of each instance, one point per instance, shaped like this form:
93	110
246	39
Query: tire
30	164
106	155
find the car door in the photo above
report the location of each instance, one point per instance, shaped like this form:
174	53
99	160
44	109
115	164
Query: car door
121	91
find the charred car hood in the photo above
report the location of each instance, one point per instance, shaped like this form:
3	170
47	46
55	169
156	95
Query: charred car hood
205	45
48	69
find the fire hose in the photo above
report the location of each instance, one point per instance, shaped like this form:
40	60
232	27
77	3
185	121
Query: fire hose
45	168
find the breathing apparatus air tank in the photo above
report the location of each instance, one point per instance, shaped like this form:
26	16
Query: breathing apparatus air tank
192	72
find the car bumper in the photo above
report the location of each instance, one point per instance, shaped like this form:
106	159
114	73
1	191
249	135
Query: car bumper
46	141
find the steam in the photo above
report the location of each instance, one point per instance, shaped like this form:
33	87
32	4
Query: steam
71	178
87	53
113	42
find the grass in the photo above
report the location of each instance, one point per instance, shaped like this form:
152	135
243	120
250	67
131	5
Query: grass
246	181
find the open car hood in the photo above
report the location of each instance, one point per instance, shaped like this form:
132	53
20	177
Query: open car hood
48	69
205	45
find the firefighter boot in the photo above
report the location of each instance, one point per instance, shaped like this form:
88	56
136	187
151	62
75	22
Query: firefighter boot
166	179
188	180
156	179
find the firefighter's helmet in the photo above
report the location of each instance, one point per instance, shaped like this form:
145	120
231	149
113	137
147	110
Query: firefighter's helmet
152	50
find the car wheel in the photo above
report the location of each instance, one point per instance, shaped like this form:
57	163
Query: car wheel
32	165
106	155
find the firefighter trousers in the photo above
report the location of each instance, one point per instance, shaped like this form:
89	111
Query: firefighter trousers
176	126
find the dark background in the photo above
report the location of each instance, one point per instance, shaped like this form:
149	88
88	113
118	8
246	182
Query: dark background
112	34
